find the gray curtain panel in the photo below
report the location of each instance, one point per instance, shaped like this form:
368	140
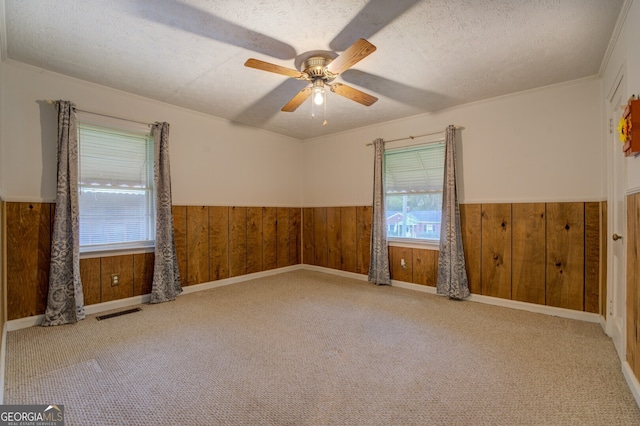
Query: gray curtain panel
379	266
166	276
452	272
65	301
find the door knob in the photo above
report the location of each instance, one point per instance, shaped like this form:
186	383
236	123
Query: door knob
616	237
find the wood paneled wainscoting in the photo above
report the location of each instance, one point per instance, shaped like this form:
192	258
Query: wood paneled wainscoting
633	286
3	233
212	243
337	237
544	253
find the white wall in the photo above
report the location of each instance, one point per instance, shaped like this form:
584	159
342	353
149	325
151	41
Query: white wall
213	161
631	35
539	145
1	117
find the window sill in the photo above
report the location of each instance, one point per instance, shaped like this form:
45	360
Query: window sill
107	252
412	243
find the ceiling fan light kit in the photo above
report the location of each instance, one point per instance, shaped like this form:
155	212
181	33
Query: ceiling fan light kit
319	106
318	99
318	91
320	71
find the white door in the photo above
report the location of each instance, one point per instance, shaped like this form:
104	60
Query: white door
616	287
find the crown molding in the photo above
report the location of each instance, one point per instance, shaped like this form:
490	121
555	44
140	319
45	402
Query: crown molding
615	35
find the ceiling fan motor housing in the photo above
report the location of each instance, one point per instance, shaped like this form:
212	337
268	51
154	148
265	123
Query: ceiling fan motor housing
316	67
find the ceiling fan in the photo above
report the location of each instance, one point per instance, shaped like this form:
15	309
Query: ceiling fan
320	70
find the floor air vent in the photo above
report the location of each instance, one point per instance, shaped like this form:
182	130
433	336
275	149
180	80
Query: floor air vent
117	314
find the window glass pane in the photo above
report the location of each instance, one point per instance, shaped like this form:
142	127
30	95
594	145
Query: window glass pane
413	187
422	218
116	187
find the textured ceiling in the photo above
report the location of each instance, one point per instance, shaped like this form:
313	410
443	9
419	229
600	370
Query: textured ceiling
431	54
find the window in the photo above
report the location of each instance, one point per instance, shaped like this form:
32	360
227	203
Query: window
413	179
116	195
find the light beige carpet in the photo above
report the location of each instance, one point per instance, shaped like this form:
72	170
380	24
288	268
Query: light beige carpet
307	348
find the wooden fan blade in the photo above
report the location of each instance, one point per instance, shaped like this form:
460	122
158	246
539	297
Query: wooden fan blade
297	100
353	94
354	54
266	66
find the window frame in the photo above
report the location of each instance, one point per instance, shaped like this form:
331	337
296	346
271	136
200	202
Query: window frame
422	243
124	126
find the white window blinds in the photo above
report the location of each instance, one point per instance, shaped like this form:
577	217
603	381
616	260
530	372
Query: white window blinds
116	188
415	170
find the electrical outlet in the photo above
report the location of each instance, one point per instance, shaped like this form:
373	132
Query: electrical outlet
403	264
115	280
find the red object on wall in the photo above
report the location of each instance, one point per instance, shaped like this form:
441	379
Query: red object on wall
632	146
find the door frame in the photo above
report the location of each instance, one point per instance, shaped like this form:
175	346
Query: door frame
614	322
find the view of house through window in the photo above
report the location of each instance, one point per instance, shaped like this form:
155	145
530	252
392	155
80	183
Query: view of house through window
116	195
413	185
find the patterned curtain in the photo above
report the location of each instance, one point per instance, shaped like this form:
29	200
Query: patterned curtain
379	266
452	272
65	302
166	276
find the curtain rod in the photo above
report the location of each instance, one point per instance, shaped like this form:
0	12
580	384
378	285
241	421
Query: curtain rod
50	101
419	136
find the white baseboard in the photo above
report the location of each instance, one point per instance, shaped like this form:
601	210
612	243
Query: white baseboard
335	272
35	320
414	287
541	309
227	281
632	381
513	304
20	323
615	330
26	322
116	304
